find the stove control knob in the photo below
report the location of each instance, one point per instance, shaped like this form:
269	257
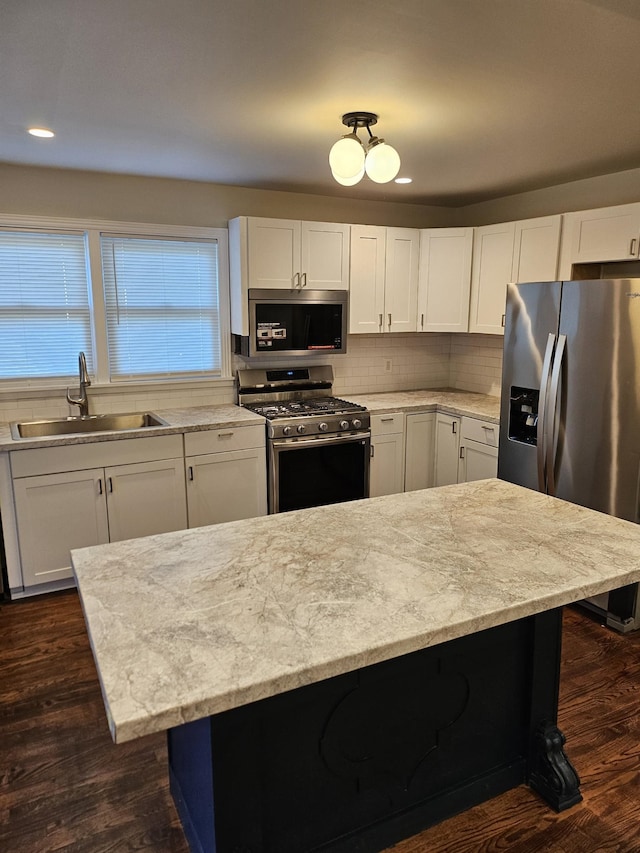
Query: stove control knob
302	428
287	430
344	424
323	427
356	423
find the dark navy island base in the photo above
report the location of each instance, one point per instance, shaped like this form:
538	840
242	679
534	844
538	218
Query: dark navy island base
364	759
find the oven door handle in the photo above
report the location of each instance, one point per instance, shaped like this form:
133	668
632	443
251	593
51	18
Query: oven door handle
305	441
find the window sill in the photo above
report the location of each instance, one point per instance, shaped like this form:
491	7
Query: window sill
119	388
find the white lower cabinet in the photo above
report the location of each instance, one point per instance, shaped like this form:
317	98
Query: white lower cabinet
478	450
226	475
447	448
419	450
57	511
387	454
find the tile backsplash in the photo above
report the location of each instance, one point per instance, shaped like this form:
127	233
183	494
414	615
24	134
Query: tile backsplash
373	363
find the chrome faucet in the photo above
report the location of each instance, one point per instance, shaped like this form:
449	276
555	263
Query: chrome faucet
82	399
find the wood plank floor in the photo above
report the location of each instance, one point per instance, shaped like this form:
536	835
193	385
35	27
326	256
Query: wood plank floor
64	786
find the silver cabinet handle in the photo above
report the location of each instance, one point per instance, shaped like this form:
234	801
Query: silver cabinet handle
304	279
632	247
385	420
225	434
461	454
372	453
296	279
454	427
422	321
503	320
100	486
380	321
110	484
389	320
190	470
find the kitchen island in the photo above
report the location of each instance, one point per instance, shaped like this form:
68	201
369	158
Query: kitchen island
340	677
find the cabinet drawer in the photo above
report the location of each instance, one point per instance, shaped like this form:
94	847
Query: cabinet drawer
387	424
482	431
221	440
100	454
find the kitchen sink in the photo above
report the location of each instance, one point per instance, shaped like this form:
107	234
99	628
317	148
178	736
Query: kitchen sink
85	423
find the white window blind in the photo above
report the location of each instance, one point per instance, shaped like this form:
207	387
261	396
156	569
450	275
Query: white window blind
44	305
162	306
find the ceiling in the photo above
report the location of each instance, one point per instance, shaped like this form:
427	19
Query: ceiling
481	98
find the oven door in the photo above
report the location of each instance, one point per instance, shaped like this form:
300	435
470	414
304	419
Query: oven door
305	472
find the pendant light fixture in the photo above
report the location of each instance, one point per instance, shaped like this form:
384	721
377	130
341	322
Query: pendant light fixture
350	159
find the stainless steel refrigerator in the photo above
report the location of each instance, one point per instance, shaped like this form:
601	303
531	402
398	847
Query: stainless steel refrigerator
570	410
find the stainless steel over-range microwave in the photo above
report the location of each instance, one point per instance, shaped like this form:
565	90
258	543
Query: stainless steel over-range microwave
295	322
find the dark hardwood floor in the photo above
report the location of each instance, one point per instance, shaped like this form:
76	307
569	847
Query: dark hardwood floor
64	786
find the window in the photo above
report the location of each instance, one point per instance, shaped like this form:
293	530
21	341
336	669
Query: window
162	306
45	319
145	303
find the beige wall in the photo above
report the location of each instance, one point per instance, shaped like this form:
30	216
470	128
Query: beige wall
603	191
30	190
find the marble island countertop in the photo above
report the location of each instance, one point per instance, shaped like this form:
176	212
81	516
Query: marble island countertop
189	624
199	418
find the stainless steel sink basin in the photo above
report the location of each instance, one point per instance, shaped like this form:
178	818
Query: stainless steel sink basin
83	424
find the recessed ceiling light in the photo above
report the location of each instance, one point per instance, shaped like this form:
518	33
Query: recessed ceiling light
403	180
42	132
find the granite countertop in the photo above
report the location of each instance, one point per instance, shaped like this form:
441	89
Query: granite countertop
188	624
178	420
446	400
229	415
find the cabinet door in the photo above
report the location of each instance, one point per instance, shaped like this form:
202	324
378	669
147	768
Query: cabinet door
477	462
606	234
419	451
226	486
366	286
55	513
536	248
145	499
401	280
387	464
325	256
273	248
444	281
490	274
447	448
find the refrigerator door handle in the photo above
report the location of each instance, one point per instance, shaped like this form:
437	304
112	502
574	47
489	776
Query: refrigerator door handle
553	411
541	437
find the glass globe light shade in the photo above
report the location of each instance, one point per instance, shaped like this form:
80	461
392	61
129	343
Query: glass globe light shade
346	157
349	182
382	163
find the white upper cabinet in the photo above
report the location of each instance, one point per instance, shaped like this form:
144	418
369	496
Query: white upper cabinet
287	254
284	254
445	279
510	251
384	279
536	249
401	279
491	272
366	290
325	256
273	253
605	234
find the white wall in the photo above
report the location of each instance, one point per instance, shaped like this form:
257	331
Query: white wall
601	191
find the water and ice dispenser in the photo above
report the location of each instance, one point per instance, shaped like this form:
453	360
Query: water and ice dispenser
523	414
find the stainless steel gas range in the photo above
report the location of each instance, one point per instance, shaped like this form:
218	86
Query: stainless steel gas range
318	446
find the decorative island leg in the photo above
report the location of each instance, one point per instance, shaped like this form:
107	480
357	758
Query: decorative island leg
552	775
